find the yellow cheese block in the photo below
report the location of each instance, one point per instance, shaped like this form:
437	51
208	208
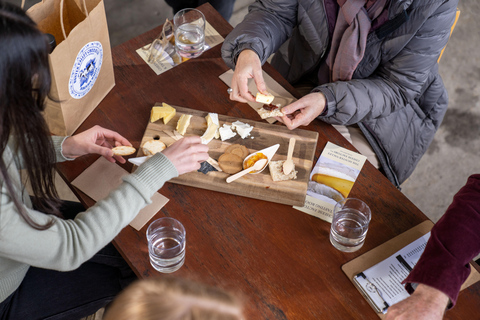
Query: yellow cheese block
264	98
183	123
341	185
155	114
169	112
165	111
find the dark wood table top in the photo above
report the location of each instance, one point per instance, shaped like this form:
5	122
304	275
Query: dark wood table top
278	259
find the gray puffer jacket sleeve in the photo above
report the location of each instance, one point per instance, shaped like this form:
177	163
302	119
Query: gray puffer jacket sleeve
397	81
266	27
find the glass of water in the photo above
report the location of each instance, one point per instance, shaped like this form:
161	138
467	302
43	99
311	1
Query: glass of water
189	27
351	218
166	244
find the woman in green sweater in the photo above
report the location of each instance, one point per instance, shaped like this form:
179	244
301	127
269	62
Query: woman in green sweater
54	263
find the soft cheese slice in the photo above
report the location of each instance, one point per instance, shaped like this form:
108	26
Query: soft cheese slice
165	111
183	123
226	132
243	129
264	98
212	129
213	118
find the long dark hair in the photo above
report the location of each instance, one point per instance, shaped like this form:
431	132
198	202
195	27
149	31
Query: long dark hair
24	85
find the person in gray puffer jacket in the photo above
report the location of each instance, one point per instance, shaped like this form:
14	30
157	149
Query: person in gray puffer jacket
394	92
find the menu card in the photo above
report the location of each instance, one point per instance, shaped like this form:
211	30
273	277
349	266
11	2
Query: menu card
331	180
171	59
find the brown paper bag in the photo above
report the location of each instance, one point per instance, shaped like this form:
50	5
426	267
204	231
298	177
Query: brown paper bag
81	64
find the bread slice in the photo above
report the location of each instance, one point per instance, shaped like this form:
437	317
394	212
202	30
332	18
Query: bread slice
153	146
276	171
123	150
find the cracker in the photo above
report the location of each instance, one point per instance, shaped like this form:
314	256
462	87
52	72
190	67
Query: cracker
276	171
123	150
264	114
230	163
238	149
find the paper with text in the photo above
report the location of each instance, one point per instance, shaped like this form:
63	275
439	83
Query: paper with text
331	180
383	282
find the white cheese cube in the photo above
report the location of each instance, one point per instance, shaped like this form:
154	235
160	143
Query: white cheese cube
264	98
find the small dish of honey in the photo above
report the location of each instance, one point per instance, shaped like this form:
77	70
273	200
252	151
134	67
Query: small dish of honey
266	153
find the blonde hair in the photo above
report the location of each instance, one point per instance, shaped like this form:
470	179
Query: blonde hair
173	299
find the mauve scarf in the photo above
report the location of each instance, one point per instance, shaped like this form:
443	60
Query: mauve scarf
349	39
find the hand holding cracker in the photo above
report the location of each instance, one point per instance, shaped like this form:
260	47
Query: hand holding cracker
96	140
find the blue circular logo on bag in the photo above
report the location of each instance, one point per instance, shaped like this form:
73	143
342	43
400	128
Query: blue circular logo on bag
85	69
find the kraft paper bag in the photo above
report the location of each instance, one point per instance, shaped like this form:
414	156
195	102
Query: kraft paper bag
81	64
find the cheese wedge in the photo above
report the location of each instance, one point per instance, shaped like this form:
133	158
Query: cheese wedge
165	111
183	123
169	112
213	118
212	129
264	98
341	185
155	114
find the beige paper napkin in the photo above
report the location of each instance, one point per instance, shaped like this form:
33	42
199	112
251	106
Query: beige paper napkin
282	96
102	177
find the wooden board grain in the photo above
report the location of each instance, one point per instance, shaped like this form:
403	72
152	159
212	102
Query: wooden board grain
257	186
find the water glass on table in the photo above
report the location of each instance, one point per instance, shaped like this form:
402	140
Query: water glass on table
351	218
189	27
166	244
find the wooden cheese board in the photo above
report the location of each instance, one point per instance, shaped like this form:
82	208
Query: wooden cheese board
257	186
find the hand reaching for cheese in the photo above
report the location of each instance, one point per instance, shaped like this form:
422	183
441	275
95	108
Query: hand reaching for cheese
186	154
94	140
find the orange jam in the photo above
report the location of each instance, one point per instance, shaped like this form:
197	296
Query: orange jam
251	161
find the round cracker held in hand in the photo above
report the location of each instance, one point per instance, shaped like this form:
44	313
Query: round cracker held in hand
230	163
123	150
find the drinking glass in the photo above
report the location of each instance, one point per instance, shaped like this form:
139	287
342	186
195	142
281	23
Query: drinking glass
189	27
351	218
166	244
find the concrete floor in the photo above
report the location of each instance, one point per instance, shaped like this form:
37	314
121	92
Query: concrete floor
452	156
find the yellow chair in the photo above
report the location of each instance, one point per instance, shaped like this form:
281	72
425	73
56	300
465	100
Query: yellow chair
457	14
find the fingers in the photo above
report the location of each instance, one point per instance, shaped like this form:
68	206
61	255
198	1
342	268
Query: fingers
303	111
248	66
117	139
240	90
186	154
258	78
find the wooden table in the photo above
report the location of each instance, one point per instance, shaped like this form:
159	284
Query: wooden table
278	259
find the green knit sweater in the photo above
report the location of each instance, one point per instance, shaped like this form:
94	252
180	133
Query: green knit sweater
69	243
